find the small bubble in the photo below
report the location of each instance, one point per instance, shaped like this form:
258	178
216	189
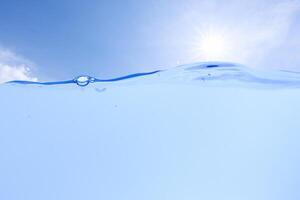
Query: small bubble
84	80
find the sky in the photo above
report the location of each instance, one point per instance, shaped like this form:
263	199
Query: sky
53	40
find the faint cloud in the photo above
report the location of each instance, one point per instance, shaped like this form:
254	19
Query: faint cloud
14	67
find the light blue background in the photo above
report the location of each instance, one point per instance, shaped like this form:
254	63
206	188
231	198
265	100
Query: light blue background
164	136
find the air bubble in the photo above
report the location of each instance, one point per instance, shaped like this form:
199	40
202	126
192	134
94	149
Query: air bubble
84	80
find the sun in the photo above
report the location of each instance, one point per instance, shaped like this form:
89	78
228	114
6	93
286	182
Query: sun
213	45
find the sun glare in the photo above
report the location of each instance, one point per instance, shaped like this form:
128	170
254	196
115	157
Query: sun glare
212	46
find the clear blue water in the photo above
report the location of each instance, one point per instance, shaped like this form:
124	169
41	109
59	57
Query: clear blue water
201	131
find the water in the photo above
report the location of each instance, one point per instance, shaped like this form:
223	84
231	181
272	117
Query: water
199	131
212	72
84	80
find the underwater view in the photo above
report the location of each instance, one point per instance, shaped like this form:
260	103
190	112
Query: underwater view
185	132
150	100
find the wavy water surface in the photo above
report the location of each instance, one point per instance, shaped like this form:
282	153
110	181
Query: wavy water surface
211	72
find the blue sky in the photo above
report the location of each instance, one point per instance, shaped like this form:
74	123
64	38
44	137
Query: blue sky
61	39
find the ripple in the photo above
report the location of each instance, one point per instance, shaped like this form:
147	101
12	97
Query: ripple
217	73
